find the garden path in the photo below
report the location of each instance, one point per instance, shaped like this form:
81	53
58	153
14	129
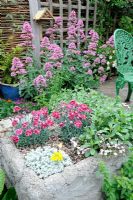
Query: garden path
108	88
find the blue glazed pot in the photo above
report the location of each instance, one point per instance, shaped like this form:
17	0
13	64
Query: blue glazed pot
9	91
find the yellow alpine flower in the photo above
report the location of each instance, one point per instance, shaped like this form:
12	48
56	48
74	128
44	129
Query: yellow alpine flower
57	156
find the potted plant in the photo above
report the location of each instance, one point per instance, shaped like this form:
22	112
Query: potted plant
8	84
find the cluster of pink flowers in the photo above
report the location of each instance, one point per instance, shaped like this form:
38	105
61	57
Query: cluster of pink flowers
28	60
52	32
45	42
54	54
110	41
26	35
75	32
17	67
53	51
40	82
92	47
34	126
71	116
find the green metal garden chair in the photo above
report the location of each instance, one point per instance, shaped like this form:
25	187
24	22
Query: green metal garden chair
124	53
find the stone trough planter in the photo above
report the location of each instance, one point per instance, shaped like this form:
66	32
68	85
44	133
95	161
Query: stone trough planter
77	182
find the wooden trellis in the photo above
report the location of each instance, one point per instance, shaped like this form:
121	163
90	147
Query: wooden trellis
12	16
84	9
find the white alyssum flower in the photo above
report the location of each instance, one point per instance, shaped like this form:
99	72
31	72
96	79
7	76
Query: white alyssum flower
110	57
114	64
101	56
108	63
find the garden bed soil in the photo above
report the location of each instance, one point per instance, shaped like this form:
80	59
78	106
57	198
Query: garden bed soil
77	182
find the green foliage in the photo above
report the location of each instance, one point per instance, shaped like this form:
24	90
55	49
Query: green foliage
79	76
42	100
2	180
26	87
118	3
10	194
118	187
110	122
53	100
6	108
6	63
110	15
126	23
33	140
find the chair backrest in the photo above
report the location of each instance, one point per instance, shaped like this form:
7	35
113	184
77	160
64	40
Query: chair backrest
124	50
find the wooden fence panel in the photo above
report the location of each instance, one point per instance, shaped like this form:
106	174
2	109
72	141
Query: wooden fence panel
12	16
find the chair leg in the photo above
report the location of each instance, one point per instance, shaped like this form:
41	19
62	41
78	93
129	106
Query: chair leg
129	92
117	90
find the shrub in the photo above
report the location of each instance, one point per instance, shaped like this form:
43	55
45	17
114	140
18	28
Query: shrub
6	194
111	128
116	187
75	65
31	130
6	108
67	122
72	118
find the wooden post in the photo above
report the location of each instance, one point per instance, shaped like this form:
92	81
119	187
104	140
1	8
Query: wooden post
87	17
61	28
69	7
51	10
95	14
34	6
79	17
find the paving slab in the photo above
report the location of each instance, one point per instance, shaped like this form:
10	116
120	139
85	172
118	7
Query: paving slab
108	88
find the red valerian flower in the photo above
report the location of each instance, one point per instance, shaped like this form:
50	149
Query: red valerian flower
24	124
15	122
71	115
35	122
44	125
36	131
49	122
44	111
16	109
28	132
83	108
61	124
56	115
19	131
73	102
81	116
78	123
15	138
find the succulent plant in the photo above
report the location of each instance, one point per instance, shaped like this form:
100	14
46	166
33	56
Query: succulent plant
39	160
